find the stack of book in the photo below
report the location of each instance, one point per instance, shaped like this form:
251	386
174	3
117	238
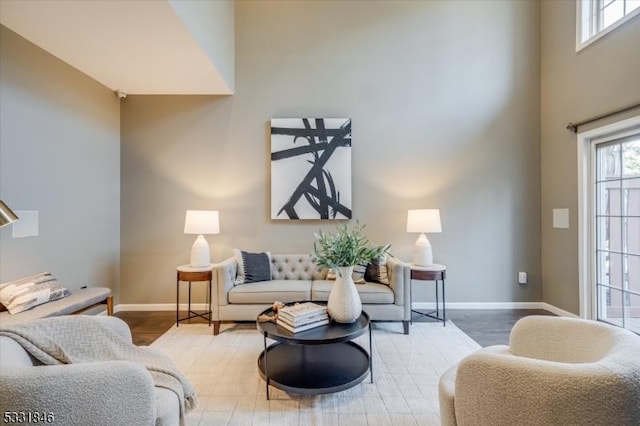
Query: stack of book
302	316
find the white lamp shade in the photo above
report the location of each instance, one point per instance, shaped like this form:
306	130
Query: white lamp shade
424	221
201	222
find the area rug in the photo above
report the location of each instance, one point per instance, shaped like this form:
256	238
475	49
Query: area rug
406	370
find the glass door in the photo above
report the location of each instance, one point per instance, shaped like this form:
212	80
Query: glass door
617	232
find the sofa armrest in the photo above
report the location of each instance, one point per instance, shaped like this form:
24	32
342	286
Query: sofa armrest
399	281
225	273
99	393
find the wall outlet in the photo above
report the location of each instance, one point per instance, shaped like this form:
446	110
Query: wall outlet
522	277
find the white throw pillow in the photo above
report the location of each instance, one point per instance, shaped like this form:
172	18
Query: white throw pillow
25	293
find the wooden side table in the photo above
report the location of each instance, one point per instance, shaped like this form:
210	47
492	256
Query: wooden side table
435	273
187	273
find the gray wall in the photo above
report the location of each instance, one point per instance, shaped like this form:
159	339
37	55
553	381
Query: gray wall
444	98
59	155
603	77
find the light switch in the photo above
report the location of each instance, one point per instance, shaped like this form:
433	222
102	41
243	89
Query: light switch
561	218
26	225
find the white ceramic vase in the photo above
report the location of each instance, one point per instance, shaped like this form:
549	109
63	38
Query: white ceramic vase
344	303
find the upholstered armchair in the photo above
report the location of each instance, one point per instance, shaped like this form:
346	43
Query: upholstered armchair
88	393
555	371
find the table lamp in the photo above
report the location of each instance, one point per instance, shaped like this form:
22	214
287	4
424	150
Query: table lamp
201	223
423	221
6	215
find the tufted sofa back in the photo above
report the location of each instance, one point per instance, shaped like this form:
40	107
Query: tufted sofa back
295	267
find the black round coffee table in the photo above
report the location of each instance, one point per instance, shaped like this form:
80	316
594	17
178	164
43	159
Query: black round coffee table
321	360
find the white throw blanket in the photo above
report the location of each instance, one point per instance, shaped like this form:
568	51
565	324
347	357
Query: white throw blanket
79	339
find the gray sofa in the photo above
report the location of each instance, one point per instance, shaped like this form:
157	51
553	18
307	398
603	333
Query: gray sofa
296	277
87	393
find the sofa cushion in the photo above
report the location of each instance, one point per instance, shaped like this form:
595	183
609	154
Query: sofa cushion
269	291
252	267
374	293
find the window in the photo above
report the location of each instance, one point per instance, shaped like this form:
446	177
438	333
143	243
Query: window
599	17
617	231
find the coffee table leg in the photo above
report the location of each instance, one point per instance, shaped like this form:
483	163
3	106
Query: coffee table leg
266	372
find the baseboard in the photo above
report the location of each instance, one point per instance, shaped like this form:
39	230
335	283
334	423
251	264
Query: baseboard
123	307
485	305
499	305
558	311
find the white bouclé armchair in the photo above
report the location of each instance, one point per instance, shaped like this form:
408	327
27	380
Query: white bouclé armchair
84	393
555	371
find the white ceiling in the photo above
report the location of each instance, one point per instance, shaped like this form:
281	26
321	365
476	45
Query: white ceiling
137	46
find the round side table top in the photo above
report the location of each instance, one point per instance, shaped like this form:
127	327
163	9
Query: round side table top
189	268
433	267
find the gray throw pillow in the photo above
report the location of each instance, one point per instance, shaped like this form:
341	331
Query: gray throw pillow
252	267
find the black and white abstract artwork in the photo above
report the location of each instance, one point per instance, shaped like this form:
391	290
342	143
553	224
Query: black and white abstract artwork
311	168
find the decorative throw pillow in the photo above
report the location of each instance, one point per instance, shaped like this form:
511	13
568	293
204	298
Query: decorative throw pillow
377	271
5	296
25	293
252	267
357	275
25	280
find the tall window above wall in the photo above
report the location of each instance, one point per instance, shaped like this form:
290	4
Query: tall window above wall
595	18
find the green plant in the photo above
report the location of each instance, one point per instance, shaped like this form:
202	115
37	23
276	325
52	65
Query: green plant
347	247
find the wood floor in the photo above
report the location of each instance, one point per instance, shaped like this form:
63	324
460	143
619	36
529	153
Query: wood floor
487	327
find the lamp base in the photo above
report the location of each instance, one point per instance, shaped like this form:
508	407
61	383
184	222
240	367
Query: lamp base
200	255
422	252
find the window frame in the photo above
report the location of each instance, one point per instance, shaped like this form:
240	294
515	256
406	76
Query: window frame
587	142
584	19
